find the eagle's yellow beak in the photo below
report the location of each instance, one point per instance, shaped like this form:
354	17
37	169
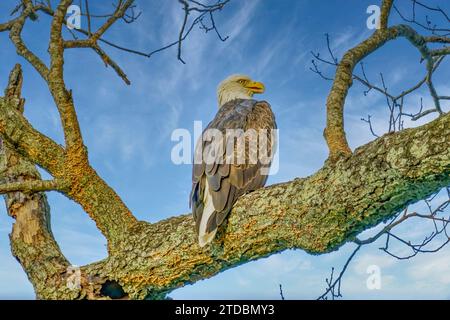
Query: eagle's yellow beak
255	87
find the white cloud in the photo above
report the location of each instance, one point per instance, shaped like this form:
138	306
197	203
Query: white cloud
340	42
278	264
14	282
113	136
240	21
431	269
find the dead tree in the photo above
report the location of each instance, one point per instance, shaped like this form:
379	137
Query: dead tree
353	191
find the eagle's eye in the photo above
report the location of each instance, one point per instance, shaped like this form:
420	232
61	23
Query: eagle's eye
242	81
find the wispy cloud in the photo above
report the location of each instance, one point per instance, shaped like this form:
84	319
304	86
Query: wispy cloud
240	21
431	270
113	136
342	41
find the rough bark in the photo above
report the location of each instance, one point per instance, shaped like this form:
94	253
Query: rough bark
317	214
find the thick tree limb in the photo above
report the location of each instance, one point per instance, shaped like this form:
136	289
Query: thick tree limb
18	132
63	98
317	214
384	13
334	132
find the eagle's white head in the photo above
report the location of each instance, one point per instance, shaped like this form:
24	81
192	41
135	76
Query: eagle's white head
237	86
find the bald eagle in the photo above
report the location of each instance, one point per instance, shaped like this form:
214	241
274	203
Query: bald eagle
224	168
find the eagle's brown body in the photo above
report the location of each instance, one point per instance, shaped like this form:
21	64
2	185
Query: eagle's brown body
216	186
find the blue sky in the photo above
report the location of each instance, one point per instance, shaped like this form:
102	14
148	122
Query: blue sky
127	130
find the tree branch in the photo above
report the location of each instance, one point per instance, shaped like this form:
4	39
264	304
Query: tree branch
18	132
76	178
439	39
32	241
334	132
440	52
317	214
31	186
385	11
15	28
61	96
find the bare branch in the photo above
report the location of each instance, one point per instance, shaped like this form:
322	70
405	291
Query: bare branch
428	26
17	131
384	13
334	285
439	39
437	9
109	62
281	292
204	11
334	132
440	52
88	15
316	70
369	122
62	96
119	13
31	186
85	44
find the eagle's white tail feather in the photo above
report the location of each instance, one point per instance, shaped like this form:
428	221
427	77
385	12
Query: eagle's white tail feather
203	237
